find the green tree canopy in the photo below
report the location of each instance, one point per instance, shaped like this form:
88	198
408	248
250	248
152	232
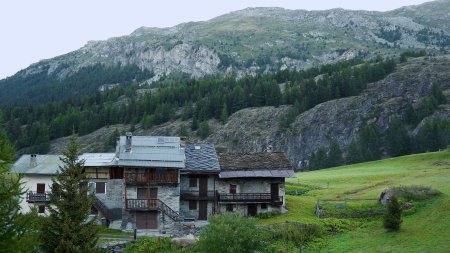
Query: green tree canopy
68	228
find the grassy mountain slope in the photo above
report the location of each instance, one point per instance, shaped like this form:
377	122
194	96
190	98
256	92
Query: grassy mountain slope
426	230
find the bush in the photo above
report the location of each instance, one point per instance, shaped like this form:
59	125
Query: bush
298	233
160	245
393	216
415	192
231	233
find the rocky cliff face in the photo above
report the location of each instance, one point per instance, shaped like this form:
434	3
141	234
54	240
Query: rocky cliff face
251	130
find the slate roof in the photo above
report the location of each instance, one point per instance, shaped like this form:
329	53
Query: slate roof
45	165
201	158
273	164
152	151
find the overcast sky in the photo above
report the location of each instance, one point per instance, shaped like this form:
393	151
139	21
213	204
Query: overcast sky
39	29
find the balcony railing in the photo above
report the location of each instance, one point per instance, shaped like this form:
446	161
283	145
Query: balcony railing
33	196
152	204
151	178
251	198
142	204
196	195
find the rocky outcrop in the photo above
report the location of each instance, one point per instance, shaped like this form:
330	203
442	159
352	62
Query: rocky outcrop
252	129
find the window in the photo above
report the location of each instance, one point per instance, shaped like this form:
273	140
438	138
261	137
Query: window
230	208
40	188
192	181
192	204
100	187
233	188
41	209
264	206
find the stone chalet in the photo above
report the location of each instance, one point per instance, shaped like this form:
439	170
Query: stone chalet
152	183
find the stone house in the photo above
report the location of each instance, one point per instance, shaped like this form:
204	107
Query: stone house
152	183
253	183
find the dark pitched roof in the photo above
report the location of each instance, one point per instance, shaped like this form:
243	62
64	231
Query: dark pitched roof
274	164
256	161
201	157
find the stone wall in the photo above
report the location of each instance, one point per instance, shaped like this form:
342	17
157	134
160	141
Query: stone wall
186	213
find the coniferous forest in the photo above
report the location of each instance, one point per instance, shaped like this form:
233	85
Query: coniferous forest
197	100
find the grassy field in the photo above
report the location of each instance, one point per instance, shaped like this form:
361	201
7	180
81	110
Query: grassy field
426	230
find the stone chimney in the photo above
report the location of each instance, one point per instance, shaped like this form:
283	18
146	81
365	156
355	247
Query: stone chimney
269	149
128	139
183	140
117	146
33	161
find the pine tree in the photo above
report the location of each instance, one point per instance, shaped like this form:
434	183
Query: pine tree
194	125
353	153
393	215
204	130
318	159
334	155
397	138
369	140
10	190
68	228
224	113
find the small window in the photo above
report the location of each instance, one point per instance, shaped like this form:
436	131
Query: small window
192	181
192	205
230	208
264	206
41	209
40	188
100	187
232	188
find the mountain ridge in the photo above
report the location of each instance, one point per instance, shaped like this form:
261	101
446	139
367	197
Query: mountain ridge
256	41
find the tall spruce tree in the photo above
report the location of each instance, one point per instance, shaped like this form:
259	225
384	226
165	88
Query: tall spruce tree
399	143
353	153
10	190
393	215
68	228
369	140
334	155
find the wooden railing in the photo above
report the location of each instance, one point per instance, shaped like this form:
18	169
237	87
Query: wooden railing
196	195
151	178
33	196
250	198
152	204
142	204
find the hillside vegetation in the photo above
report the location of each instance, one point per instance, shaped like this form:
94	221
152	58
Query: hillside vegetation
425	229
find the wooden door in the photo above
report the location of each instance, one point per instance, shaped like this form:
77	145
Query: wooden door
40	188
252	209
203	210
146	220
274	191
203	186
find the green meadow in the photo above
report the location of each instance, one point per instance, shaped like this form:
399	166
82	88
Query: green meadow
425	229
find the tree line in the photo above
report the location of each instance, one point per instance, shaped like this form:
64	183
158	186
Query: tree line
196	100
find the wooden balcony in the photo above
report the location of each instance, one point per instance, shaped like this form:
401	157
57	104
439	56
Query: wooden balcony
250	198
33	196
196	195
141	204
136	178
